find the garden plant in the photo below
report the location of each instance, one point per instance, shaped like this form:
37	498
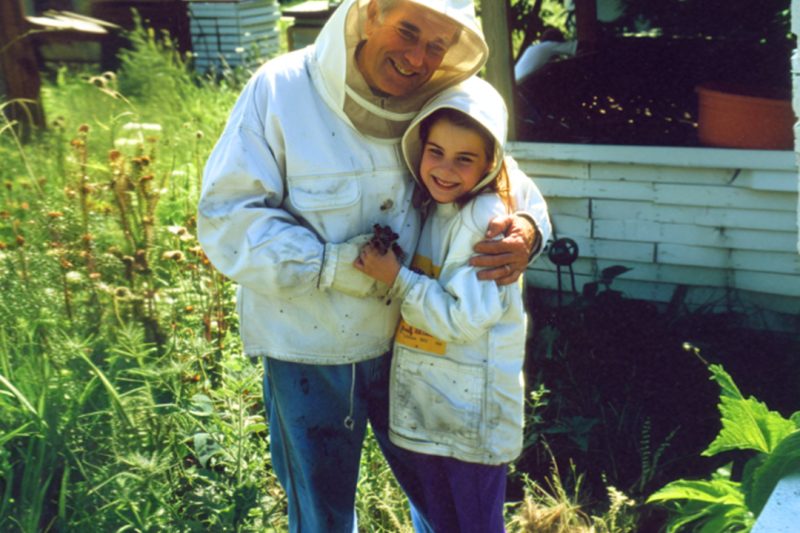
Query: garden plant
125	402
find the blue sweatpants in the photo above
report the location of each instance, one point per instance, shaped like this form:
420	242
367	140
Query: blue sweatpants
460	497
317	422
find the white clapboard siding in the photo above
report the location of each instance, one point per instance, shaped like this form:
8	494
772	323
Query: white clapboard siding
577	207
659	174
721	222
731	197
765	180
740	260
768	282
576	188
671	274
640	252
698	215
229	32
556	170
574	226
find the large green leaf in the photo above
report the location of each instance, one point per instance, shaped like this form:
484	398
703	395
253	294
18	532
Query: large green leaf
703	517
729	520
716	491
747	424
784	459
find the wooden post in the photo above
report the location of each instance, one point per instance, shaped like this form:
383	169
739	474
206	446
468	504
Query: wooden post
795	7
499	68
20	69
586	22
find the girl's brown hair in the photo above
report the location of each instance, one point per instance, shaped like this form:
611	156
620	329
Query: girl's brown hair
501	184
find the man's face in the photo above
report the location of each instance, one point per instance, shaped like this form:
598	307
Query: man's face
403	50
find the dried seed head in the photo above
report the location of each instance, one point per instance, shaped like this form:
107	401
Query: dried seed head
83	128
173	255
20	241
113	155
177	230
122	293
73	277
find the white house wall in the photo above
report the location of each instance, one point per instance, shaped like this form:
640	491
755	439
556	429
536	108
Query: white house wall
796	99
723	223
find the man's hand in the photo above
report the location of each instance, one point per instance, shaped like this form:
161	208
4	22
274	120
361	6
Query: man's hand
505	260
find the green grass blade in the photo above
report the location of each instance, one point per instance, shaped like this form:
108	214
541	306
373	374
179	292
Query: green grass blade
22	399
62	496
116	400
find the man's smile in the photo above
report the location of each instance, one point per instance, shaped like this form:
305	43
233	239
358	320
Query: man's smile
401	70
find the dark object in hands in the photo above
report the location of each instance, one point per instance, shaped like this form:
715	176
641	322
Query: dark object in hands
384	238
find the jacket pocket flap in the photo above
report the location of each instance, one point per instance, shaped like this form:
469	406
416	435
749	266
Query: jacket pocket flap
320	193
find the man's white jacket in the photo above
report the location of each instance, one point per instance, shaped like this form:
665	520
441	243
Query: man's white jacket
308	162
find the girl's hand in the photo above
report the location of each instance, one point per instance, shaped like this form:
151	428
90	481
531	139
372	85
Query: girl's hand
382	267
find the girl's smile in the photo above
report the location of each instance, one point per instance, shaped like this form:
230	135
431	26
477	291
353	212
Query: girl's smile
454	160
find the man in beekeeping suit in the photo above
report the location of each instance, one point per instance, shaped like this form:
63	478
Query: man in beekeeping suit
308	162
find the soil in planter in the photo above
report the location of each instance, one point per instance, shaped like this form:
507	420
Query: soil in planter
638	91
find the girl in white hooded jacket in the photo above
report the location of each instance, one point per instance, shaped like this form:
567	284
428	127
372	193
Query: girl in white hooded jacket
456	386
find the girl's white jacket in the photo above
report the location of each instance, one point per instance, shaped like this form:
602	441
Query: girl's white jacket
294	178
456	387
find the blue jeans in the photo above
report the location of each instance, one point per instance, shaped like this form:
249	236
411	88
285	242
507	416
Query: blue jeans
317	421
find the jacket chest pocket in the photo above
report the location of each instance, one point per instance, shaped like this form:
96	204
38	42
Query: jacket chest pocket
434	398
329	204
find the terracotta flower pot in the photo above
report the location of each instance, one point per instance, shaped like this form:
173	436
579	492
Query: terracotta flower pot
734	116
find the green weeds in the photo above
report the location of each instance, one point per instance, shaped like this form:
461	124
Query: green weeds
731	503
125	404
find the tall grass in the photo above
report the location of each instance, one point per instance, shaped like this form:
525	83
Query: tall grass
125	402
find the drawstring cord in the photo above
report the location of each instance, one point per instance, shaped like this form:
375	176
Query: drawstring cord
349	423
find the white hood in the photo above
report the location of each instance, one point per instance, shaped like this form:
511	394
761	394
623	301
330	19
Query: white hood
476	98
338	80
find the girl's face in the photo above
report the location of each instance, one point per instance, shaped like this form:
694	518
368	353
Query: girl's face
453	161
